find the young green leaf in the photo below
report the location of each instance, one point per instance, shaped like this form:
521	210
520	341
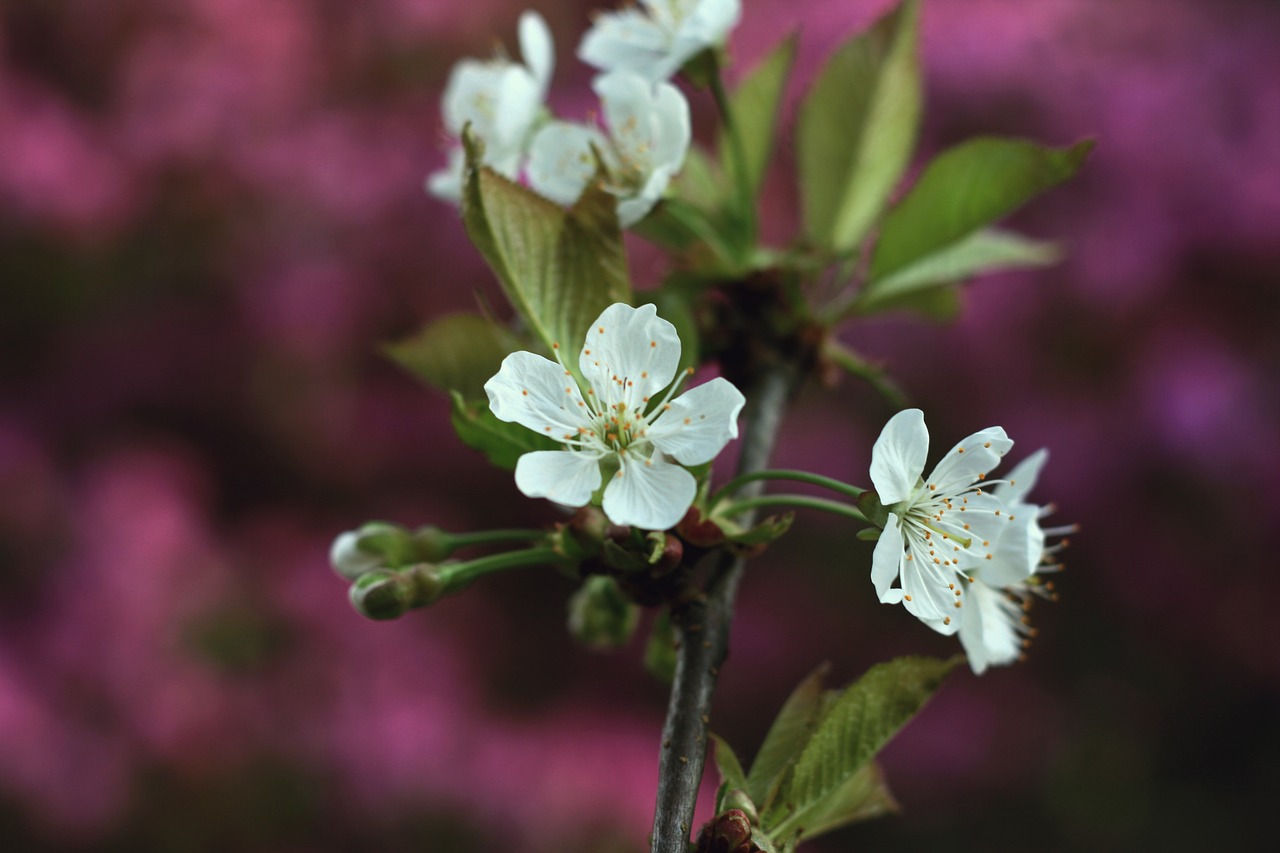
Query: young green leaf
459	352
857	130
980	252
863	796
732	777
964	189
857	725
787	737
503	443
559	268
755	109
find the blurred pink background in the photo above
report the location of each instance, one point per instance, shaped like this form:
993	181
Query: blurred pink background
211	215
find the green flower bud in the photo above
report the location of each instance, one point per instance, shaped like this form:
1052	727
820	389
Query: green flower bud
431	544
384	594
601	616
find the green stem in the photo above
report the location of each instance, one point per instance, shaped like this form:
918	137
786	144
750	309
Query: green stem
459	574
490	537
781	474
800	501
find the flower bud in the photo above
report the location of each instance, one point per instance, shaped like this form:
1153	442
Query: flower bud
601	616
374	545
384	594
700	531
728	833
431	544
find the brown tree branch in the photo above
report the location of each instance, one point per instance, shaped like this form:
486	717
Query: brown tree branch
702	629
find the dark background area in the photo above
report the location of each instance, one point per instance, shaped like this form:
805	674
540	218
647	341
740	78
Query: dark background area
210	217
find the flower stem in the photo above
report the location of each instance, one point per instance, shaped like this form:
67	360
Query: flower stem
490	537
800	501
781	474
702	629
457	575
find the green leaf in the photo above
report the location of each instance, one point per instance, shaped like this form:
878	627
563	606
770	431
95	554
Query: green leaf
456	353
864	796
503	443
857	129
964	189
699	182
764	532
940	302
787	737
981	252
559	268
732	777
755	109
857	725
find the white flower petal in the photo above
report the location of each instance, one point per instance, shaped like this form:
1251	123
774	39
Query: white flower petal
564	476
627	39
535	393
699	423
446	183
561	163
652	494
672	130
1016	553
630	354
886	561
927	587
972	457
470	96
519	102
988	629
1022	479
897	457
537	49
348	560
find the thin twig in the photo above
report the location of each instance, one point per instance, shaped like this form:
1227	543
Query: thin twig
702	628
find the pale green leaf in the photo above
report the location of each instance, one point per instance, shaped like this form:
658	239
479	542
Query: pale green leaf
732	776
964	189
503	443
864	796
755	105
858	723
857	130
559	268
981	252
700	182
787	736
459	352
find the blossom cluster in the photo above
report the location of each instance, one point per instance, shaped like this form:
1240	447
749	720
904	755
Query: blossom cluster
646	132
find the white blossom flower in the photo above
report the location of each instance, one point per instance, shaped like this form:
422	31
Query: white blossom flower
940	528
994	629
501	100
655	38
621	428
648	138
